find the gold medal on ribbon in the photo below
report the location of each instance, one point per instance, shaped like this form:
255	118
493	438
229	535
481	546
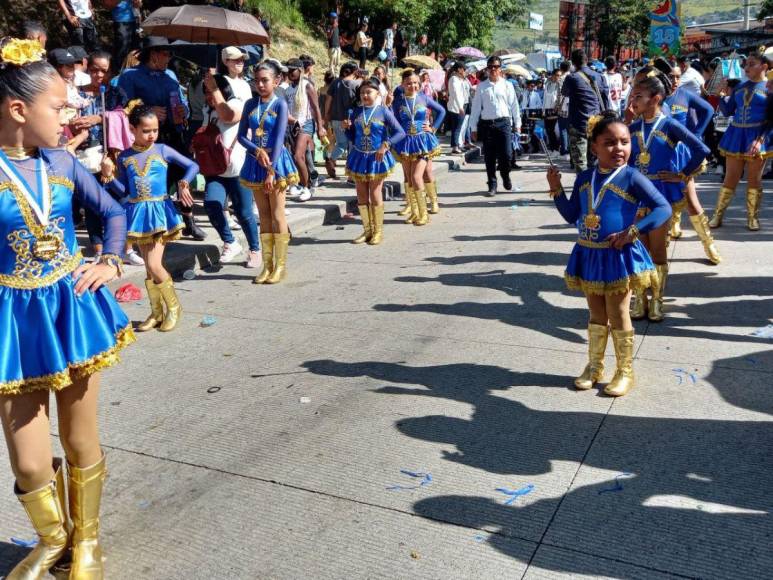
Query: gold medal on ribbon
365	129
259	132
645	158
413	130
592	221
46	247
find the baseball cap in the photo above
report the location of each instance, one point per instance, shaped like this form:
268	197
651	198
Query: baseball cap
232	53
294	63
333	15
78	52
61	56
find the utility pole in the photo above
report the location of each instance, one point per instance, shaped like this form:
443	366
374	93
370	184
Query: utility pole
747	8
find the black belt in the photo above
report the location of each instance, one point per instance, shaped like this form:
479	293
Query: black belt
490	121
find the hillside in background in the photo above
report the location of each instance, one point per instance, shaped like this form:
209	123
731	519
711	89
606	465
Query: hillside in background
518	36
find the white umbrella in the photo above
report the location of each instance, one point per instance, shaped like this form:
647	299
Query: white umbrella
512	57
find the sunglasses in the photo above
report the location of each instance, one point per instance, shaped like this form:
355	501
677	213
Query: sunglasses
494	66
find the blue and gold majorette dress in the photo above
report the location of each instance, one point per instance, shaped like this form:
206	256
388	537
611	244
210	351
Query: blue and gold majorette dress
654	150
370	128
48	335
412	113
748	106
141	183
604	203
694	113
267	122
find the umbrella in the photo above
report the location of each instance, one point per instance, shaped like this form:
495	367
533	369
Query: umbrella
512	57
422	62
476	65
207	55
506	54
207	24
518	70
468	52
768	51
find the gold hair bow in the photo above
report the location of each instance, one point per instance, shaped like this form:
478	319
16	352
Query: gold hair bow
592	122
131	105
20	52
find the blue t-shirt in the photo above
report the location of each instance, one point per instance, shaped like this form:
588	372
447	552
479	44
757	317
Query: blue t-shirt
123	12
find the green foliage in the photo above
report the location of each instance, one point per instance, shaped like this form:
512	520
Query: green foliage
447	23
621	23
280	13
766	10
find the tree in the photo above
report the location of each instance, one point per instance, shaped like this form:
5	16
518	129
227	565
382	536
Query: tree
447	23
620	23
766	10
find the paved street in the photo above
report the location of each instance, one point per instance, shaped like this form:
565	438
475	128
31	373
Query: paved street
407	411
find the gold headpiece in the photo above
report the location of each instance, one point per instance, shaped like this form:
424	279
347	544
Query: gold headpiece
652	73
20	52
131	105
592	122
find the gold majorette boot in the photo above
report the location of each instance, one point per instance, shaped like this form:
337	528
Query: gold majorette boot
412	201
623	380
753	199
431	187
723	200
281	243
421	202
407	209
700	224
267	254
639	304
655	312
174	310
367	230
377	224
45	508
597	345
84	487
676	225
156	308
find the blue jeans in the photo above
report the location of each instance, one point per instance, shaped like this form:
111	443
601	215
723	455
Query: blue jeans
218	190
563	129
342	141
455	121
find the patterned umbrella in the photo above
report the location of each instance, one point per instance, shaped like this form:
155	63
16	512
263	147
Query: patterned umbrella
468	52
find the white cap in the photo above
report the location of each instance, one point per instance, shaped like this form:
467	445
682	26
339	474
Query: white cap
232	53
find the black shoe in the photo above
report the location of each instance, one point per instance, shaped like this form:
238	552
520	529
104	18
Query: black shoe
515	167
492	189
192	230
506	183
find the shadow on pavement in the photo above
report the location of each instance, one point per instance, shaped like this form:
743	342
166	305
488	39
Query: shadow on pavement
686	496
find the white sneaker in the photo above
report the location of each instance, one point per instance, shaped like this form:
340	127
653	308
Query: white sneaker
230	251
294	191
232	222
133	258
305	194
254	260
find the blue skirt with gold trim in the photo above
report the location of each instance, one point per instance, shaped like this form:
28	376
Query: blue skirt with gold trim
49	336
601	269
362	166
147	221
422	146
253	174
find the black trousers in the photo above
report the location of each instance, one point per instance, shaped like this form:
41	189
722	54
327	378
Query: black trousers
496	136
550	129
85	34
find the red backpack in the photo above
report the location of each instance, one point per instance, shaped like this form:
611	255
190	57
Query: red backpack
209	150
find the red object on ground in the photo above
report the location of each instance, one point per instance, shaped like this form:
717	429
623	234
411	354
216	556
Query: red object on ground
128	293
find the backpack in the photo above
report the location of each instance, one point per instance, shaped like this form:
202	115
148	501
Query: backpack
209	150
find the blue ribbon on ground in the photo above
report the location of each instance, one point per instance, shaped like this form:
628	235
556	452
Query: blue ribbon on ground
515	493
426	479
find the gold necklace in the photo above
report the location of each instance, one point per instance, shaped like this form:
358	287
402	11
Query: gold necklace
19	152
141	148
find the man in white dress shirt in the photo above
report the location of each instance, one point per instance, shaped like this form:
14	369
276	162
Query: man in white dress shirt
495	113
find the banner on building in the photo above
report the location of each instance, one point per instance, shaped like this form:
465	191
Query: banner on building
535	21
665	29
